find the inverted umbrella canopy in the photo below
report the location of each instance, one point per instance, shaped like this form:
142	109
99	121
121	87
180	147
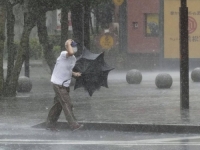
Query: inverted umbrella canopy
94	71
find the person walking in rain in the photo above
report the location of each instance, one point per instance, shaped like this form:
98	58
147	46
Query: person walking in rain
61	78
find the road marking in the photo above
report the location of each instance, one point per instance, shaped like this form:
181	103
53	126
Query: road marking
22	96
153	142
170	139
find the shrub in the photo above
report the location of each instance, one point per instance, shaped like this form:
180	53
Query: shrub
56	50
35	49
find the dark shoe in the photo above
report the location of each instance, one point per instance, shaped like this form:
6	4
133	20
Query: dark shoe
51	127
76	127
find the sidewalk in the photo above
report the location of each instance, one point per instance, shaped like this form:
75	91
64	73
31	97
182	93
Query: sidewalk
122	106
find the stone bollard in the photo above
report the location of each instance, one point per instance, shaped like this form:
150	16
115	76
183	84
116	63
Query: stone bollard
134	76
163	80
24	84
195	75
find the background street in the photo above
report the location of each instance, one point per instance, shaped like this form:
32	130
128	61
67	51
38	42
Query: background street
143	105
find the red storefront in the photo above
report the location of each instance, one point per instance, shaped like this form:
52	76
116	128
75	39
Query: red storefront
143	26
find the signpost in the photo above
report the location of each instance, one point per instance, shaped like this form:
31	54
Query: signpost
181	38
106	41
184	60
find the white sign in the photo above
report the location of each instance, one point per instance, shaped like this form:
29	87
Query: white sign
58	16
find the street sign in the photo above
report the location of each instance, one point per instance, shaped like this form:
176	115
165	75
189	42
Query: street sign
106	41
118	2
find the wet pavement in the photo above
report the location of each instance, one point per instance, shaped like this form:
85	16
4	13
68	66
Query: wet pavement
122	106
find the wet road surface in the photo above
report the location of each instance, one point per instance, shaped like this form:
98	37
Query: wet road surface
24	137
120	103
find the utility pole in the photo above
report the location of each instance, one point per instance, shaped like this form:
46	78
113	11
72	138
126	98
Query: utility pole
184	56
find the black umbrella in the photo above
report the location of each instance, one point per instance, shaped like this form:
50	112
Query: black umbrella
94	71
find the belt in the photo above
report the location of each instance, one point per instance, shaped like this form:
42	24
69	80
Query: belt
61	86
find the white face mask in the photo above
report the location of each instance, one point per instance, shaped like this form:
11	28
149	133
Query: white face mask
75	49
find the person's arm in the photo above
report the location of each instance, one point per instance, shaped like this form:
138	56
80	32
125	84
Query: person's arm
76	74
68	47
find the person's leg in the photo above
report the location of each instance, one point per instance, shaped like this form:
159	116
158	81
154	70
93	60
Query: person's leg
54	112
65	101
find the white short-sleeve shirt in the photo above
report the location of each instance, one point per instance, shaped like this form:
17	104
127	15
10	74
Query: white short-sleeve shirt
63	69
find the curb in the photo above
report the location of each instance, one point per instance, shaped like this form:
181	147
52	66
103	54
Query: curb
169	128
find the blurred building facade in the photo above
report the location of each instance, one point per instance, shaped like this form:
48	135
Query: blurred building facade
153	33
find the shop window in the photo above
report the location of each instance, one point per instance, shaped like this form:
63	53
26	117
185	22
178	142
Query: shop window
152	25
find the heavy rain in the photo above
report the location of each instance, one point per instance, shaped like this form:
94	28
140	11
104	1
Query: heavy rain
99	74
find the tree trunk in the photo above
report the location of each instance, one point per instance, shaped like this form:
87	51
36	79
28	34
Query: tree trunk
81	23
96	10
43	38
29	23
77	24
2	39
27	57
64	26
87	24
10	44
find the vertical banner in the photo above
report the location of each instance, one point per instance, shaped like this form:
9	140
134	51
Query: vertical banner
171	28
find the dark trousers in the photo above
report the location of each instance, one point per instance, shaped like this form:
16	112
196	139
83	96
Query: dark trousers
62	101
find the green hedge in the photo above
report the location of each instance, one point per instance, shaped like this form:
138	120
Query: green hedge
36	50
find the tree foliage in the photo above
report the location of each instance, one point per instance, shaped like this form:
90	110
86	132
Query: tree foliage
34	15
